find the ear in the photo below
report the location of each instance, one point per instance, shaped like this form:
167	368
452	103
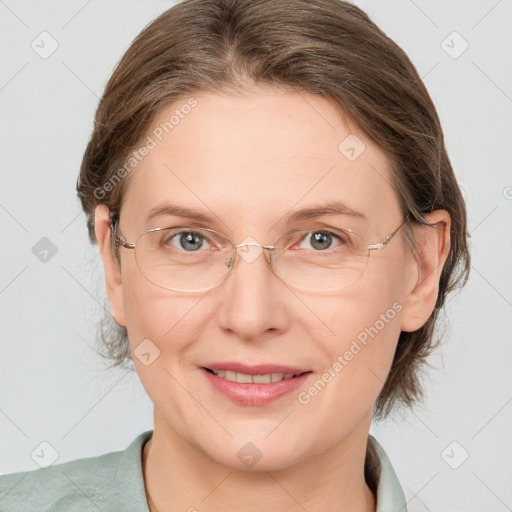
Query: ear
111	269
433	246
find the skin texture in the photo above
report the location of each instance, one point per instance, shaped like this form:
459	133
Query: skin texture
247	159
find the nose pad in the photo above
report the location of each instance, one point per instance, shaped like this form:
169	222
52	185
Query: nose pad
249	250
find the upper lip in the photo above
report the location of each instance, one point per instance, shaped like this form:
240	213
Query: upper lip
258	369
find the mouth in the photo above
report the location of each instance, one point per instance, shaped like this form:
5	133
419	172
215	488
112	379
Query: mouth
254	389
254	385
246	378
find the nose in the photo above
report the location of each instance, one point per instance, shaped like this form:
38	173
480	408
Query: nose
251	296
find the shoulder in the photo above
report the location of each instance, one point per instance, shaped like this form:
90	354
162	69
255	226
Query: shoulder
74	485
94	483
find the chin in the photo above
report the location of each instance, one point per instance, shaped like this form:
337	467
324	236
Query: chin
261	454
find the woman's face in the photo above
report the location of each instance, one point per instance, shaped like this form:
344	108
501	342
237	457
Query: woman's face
247	161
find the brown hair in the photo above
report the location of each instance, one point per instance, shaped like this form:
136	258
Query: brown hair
326	47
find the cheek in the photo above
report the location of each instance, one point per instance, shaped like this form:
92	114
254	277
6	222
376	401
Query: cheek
161	327
155	313
363	328
359	332
357	340
171	322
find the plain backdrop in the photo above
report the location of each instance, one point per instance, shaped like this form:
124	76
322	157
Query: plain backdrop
453	453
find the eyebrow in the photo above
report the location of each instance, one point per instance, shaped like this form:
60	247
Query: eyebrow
331	208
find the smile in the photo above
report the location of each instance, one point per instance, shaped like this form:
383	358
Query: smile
253	390
244	378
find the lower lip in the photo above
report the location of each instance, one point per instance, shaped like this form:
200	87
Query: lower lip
255	394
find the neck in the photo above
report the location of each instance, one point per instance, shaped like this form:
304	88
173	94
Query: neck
178	476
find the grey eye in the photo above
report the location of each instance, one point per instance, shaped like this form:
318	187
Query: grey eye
321	240
190	241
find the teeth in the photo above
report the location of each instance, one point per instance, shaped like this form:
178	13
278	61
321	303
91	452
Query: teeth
243	378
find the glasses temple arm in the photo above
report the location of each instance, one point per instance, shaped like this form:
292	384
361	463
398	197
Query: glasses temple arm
386	240
116	235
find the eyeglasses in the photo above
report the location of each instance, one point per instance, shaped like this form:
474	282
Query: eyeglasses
189	259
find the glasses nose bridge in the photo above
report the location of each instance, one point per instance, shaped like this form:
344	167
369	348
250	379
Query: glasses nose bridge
266	248
254	243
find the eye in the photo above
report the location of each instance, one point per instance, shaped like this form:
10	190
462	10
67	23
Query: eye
190	241
321	240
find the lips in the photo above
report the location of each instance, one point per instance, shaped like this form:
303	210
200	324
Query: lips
255	393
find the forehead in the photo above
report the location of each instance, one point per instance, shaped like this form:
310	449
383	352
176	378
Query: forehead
255	156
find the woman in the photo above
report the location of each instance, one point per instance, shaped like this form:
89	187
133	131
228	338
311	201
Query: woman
279	225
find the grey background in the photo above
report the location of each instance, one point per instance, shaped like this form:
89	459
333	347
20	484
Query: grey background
54	387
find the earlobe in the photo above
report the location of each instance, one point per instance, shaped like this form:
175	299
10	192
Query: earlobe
112	271
433	246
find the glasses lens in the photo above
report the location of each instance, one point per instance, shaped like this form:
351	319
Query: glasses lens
183	259
190	259
323	260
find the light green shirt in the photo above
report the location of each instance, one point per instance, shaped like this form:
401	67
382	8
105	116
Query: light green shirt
113	482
